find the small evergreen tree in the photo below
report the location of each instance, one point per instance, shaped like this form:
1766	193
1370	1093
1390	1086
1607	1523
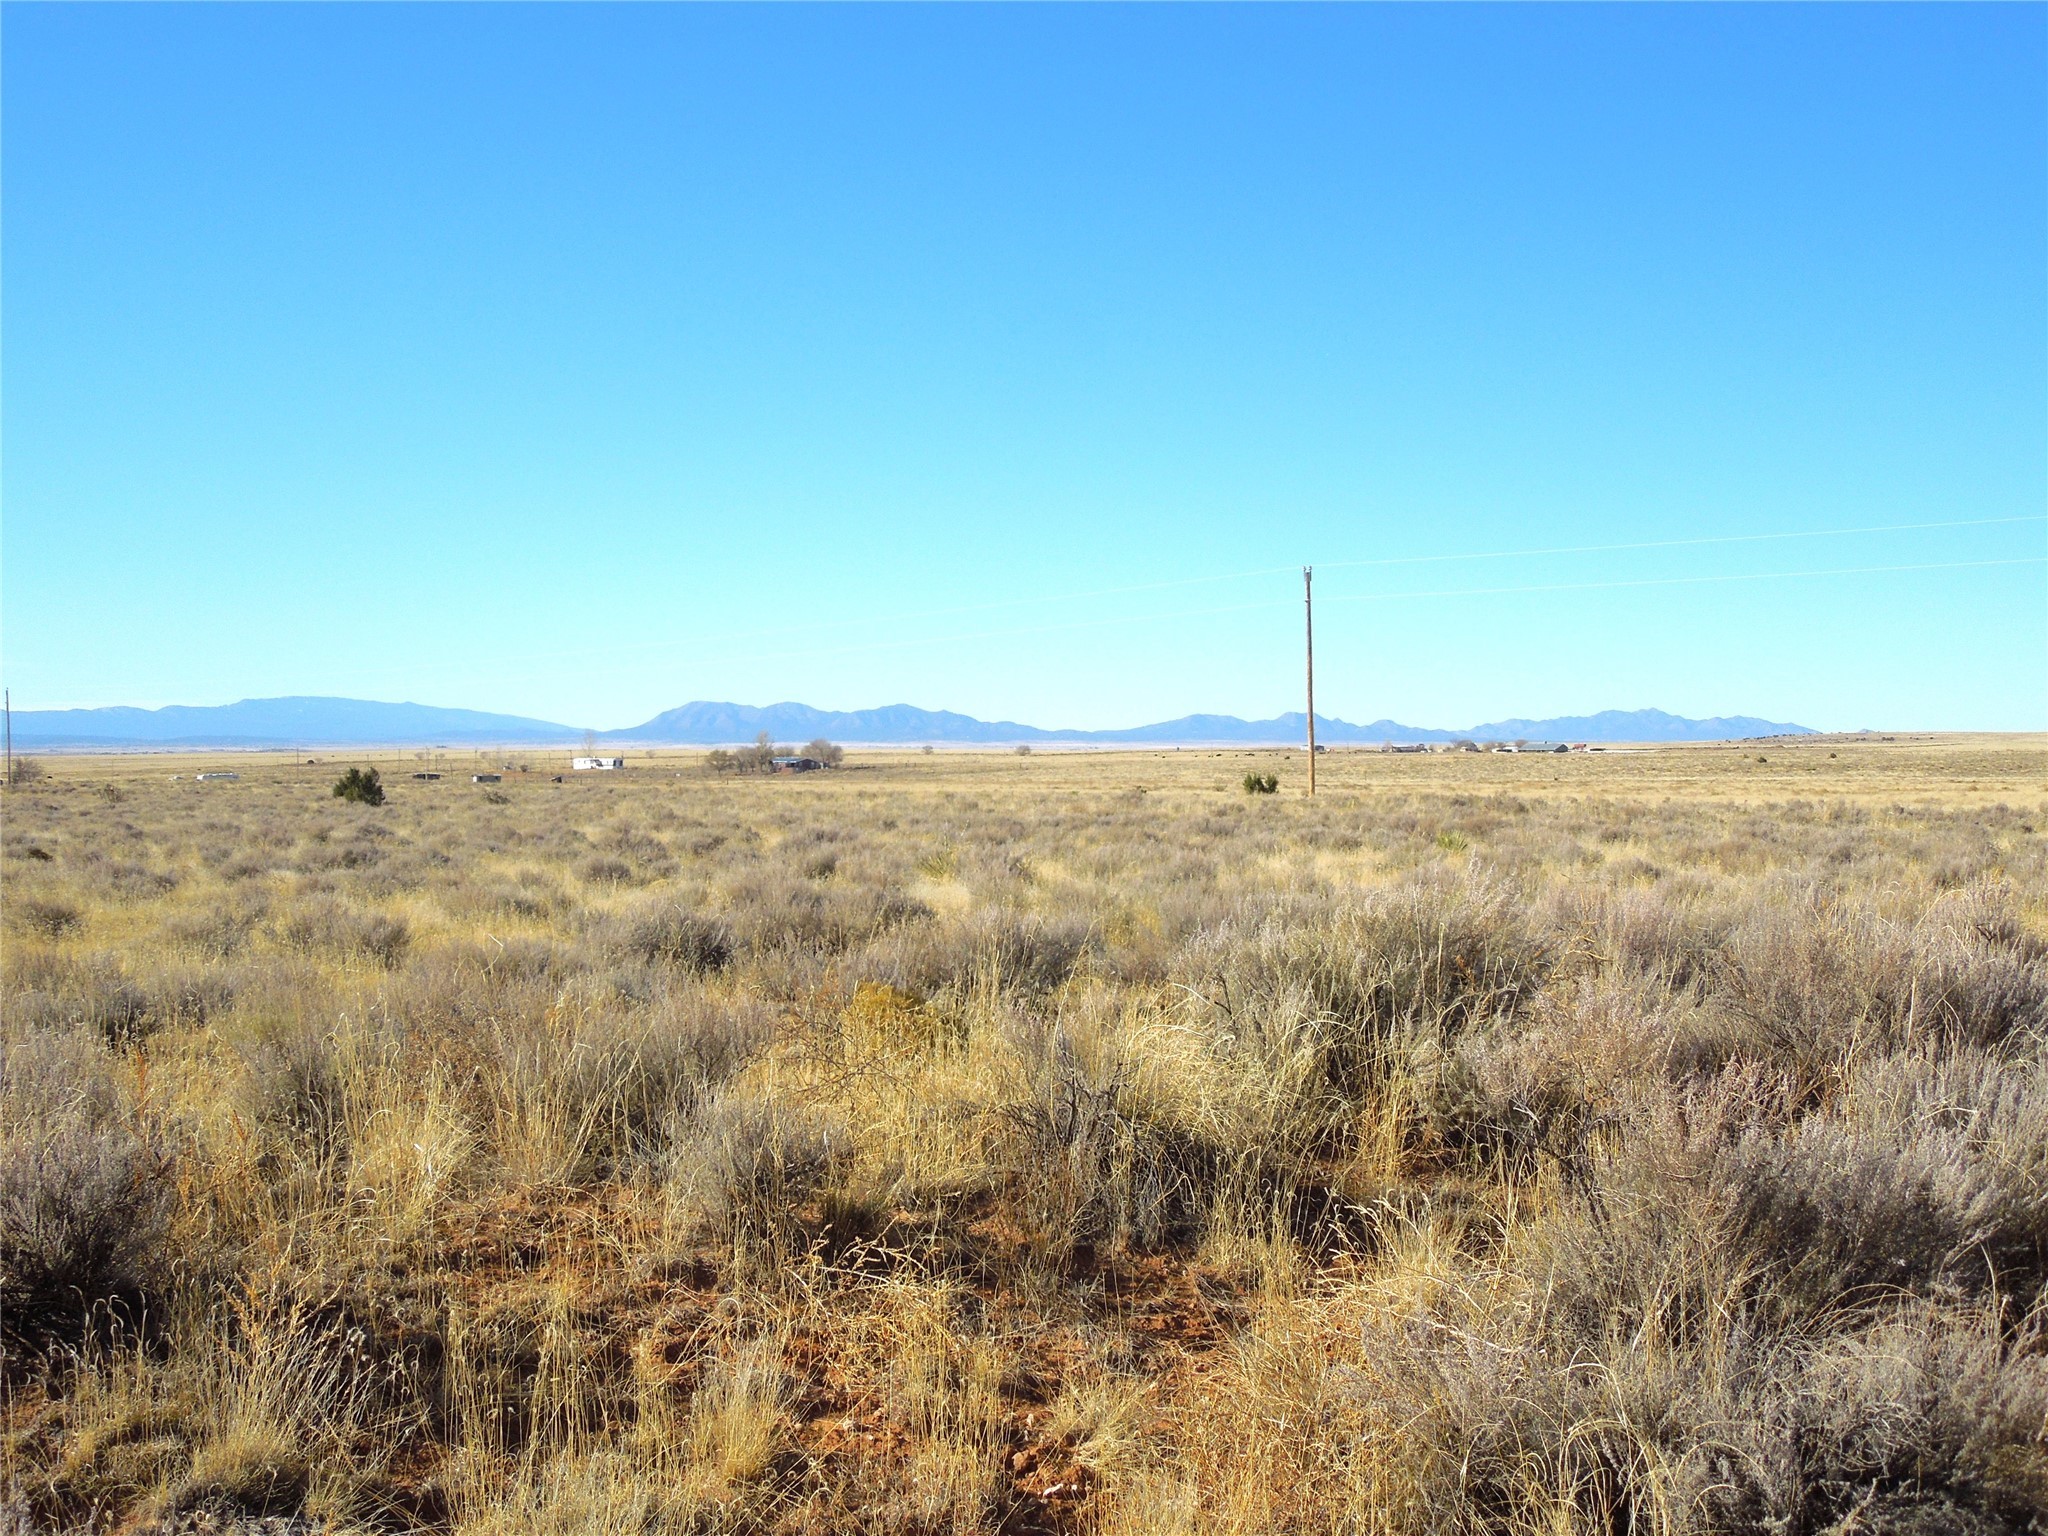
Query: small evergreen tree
363	786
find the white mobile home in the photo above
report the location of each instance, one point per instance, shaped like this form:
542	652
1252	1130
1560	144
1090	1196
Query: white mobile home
583	764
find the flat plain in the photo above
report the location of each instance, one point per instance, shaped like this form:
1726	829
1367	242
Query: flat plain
1645	1141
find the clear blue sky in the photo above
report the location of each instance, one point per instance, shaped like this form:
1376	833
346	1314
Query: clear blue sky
580	361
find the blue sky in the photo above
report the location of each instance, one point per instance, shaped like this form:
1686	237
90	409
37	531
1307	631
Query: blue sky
580	361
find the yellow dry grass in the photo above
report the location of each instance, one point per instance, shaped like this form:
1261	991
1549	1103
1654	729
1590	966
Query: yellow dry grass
1650	1140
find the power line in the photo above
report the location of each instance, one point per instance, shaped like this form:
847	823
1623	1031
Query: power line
1176	583
1725	538
1269	604
1681	581
729	636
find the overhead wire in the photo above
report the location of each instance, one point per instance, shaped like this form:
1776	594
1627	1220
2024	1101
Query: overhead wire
1132	588
730	636
1291	601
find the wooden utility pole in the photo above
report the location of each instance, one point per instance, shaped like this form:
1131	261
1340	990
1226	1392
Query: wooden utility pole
1308	601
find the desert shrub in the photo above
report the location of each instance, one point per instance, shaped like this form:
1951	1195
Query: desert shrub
777	909
50	918
1928	1420
1660	934
360	786
218	931
1928	1171
604	869
1028	952
251	1476
1979	977
292	1082
1410	966
1085	1172
1810	975
671	935
746	1164
125	880
324	923
84	1210
585	1094
996	951
99	994
1261	783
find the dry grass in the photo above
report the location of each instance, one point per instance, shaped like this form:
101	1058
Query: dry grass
964	1143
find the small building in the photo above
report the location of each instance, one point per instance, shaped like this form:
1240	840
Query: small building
588	764
794	764
215	778
485	778
427	777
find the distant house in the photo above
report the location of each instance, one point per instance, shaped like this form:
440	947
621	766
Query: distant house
589	764
428	777
485	778
794	765
215	778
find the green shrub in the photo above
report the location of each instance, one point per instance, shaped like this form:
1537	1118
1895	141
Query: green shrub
360	785
1261	783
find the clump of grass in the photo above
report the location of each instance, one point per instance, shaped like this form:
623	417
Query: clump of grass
670	934
747	1164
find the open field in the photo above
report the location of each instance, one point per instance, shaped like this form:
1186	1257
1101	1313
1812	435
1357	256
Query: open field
1620	1142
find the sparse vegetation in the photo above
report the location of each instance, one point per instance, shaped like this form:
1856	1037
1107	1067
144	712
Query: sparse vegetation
1261	783
1487	1144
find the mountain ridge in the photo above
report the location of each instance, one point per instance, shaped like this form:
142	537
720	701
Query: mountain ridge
316	721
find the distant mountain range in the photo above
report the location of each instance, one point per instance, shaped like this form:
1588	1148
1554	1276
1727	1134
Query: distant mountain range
278	723
320	722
